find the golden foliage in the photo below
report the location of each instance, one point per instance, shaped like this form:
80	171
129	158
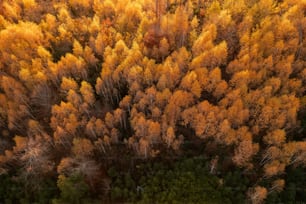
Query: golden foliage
151	74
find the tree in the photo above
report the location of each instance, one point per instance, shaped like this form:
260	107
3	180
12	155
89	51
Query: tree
77	48
125	103
200	125
214	79
18	108
109	120
19	43
154	131
237	114
82	147
130	20
181	23
278	185
144	147
74	98
188	116
274	168
140	126
73	188
67	84
83	166
65	123
71	66
277	138
114	136
164	47
220	90
258	194
83	80
87	93
120	118
162	97
170	136
244	153
36	162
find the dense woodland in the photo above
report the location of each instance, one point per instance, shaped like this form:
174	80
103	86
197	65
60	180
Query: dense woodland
166	101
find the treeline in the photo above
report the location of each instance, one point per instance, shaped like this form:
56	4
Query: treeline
87	84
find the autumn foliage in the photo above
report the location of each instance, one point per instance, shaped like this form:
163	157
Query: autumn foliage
85	80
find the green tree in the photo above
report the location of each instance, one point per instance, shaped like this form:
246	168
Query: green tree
73	189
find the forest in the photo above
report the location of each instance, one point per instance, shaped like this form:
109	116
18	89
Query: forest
161	101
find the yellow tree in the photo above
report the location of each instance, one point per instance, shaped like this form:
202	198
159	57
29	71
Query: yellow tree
18	104
82	147
258	194
154	131
67	84
87	93
65	123
18	43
